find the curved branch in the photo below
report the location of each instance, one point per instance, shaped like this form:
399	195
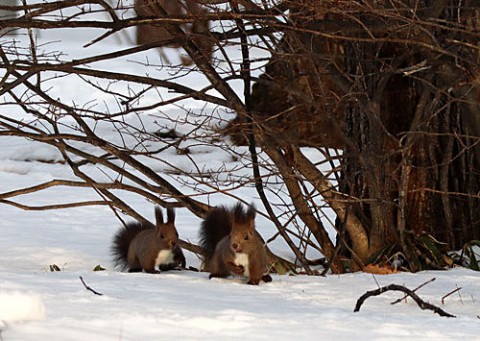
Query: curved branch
55	206
304	212
395	287
334	199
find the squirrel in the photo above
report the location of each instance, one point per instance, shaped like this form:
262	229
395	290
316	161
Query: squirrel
138	246
232	246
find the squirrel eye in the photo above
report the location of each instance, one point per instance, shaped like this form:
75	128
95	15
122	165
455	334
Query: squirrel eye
246	237
162	236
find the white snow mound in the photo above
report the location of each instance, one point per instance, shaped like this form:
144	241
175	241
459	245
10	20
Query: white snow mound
20	306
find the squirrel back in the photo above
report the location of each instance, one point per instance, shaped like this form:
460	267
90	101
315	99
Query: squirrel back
138	247
232	246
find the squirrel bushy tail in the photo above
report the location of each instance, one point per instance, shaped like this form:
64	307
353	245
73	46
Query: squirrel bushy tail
216	226
121	243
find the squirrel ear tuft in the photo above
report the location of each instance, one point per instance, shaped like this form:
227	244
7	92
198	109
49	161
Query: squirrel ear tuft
242	216
170	215
158	215
251	212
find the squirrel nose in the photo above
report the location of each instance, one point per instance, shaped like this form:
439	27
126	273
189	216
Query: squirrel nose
173	243
234	246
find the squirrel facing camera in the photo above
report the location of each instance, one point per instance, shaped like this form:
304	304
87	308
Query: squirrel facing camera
138	247
232	246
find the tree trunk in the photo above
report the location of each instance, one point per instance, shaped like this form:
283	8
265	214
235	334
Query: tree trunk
416	155
406	98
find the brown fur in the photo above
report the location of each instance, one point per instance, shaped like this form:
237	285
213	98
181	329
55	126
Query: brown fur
227	234
198	31
137	246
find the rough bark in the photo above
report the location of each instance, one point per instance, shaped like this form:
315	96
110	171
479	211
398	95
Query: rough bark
417	132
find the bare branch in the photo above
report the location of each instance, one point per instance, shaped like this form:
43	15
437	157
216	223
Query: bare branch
394	287
88	288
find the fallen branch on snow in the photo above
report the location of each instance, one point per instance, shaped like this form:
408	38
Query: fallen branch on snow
421	303
88	288
414	290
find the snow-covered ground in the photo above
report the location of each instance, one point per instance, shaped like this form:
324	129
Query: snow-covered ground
39	304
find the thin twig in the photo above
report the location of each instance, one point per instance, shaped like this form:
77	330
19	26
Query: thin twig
450	293
88	288
55	206
414	290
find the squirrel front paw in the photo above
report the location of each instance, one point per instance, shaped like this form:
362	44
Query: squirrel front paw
239	270
253	281
236	269
266	278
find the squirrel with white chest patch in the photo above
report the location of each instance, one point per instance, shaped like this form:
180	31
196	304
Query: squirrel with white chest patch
232	246
138	247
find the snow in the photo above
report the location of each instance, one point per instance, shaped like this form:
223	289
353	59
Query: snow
37	303
21	306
